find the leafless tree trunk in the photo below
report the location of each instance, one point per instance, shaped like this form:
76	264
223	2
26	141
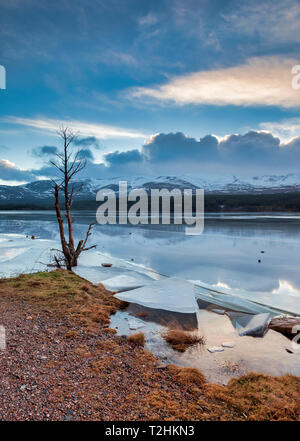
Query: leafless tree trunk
68	165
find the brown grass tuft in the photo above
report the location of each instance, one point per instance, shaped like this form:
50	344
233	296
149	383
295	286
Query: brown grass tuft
258	397
181	340
187	376
137	339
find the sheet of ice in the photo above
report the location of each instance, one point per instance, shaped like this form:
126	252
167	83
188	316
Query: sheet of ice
125	282
24	255
254	325
232	302
113	278
127	265
171	294
238	300
8	253
264	301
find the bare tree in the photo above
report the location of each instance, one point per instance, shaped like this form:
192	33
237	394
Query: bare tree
69	165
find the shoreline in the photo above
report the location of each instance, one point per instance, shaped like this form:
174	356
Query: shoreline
64	362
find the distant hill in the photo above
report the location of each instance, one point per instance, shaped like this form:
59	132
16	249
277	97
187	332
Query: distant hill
228	193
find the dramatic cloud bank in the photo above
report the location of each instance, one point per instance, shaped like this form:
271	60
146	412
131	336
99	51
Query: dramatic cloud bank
252	153
264	81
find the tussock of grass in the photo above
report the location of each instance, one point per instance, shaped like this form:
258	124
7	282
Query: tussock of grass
137	339
180	340
258	397
187	376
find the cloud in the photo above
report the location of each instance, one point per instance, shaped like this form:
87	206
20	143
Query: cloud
9	172
83	129
117	57
89	141
286	129
253	146
277	22
264	81
86	154
45	150
123	158
251	153
177	146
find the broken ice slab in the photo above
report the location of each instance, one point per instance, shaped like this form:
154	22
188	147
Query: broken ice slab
124	282
123	264
214	349
247	324
252	302
230	301
114	279
171	294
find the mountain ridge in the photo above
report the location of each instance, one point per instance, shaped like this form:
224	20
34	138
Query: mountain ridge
39	193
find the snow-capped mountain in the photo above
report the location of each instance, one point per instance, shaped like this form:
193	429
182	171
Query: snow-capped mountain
40	192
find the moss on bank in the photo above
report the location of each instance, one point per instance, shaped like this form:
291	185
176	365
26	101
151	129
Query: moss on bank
113	365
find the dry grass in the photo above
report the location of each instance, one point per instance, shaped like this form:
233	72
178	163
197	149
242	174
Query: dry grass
187	376
258	397
180	340
137	339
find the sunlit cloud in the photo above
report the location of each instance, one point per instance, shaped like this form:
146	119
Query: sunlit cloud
264	81
286	288
286	130
84	129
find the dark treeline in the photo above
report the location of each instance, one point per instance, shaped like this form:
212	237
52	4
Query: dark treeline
285	202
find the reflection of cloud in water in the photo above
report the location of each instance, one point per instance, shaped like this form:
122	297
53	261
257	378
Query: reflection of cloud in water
221	285
286	288
10	253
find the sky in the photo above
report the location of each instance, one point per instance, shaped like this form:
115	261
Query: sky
150	87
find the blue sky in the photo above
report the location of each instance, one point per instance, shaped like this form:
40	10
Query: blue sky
129	75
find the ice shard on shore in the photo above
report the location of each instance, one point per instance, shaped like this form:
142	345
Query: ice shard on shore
171	294
232	302
247	324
